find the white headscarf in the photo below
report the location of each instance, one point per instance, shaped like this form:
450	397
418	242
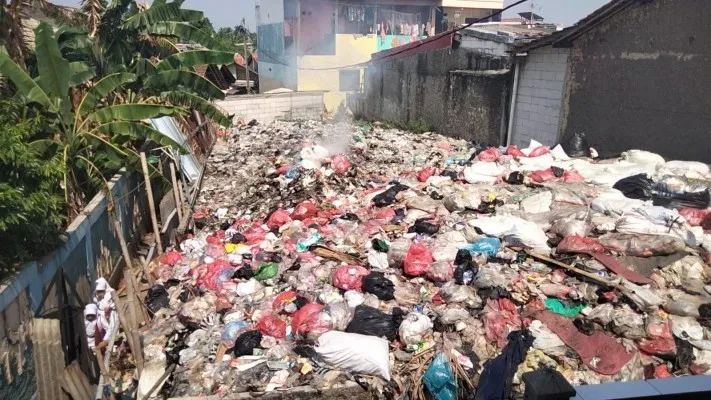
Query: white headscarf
91	309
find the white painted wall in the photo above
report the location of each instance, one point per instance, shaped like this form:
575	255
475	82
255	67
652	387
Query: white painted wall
540	96
269	107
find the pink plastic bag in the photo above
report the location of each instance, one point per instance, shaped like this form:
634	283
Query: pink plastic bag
278	218
539	151
490	155
572	176
425	174
514	151
271	325
304	210
579	244
349	277
441	271
500	318
341	164
217	272
694	216
255	235
298	321
544	175
385	213
316	325
417	260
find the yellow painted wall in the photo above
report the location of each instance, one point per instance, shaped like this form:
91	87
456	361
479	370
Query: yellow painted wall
350	49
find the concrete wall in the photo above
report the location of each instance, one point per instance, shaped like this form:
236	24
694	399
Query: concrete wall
539	101
269	107
471	40
458	92
641	80
350	49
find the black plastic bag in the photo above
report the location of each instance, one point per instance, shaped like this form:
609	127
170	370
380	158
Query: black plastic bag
349	217
157	298
557	171
514	178
684	355
584	326
238	238
435	195
494	293
576	145
370	321
246	272
388	197
643	188
705	310
376	283
453	175
424	228
380	245
247	342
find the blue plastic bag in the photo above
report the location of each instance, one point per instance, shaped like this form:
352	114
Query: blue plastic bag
232	331
439	379
488	245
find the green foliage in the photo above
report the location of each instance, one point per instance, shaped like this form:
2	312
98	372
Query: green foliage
31	205
419	126
229	38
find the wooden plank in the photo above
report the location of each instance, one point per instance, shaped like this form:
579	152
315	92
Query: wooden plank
151	202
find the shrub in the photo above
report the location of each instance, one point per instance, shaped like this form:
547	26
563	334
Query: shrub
31	205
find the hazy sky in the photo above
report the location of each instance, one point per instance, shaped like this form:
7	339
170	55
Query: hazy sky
231	12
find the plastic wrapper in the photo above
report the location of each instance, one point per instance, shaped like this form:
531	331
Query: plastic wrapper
642	245
349	277
359	354
414	328
398	251
627	323
418	260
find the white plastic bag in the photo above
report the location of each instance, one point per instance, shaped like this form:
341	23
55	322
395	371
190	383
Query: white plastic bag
643	157
514	230
360	354
538	203
341	315
414	328
377	259
482	172
545	340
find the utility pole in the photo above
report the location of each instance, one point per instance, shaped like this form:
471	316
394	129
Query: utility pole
246	64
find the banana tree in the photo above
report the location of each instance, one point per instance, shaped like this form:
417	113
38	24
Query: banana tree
94	136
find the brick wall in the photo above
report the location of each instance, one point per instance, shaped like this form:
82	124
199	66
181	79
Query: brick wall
540	96
269	107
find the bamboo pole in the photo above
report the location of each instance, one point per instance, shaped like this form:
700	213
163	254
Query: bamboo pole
176	193
151	202
130	326
131	334
577	271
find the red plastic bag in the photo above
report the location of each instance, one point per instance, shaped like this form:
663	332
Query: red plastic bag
514	151
271	325
572	176
329	213
341	164
579	244
316	325
500	318
217	272
278	218
213	239
539	151
283	299
706	223
304	210
385	213
417	260
544	175
490	155
255	235
425	174
170	258
298	321
694	216
349	277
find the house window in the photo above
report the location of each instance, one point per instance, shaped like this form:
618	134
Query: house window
349	80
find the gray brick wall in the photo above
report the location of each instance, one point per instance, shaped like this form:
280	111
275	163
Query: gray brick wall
540	96
269	107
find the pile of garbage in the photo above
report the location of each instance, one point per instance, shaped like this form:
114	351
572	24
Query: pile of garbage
419	264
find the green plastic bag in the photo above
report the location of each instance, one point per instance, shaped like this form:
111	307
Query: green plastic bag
266	271
439	379
557	307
